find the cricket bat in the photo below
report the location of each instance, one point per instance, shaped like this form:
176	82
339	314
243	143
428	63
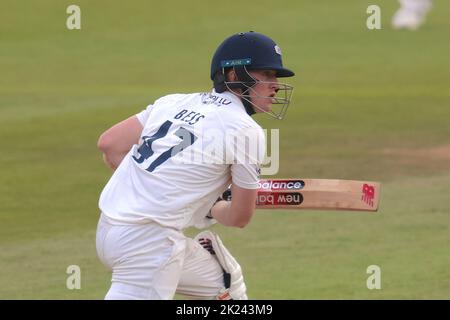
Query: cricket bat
318	194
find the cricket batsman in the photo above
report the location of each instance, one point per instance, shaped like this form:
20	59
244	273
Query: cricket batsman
171	163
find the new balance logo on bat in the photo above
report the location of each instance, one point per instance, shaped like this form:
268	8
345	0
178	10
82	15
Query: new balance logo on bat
281	184
273	198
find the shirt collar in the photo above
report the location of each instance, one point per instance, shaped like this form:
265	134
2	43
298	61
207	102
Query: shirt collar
230	96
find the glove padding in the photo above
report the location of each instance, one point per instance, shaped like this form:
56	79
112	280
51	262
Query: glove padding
208	220
226	195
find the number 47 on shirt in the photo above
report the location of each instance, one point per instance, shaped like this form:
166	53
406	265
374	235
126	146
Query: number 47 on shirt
145	150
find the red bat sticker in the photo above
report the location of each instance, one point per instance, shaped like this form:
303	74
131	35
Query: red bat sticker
368	194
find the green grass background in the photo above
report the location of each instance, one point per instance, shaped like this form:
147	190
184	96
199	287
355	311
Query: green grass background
367	104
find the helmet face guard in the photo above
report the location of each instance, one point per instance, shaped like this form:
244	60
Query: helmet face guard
250	51
281	100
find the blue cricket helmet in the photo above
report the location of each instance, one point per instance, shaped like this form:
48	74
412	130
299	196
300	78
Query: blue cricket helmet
251	49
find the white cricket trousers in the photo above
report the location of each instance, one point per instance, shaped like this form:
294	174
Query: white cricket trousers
149	261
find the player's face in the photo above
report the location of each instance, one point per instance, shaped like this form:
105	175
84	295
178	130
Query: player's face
263	93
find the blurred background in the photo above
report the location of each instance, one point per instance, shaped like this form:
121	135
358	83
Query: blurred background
367	105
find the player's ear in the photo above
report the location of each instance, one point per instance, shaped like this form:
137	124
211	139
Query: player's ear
231	76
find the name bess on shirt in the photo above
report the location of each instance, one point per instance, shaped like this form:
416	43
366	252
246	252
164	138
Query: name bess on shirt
190	117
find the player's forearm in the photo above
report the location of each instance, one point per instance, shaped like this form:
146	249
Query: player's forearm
225	214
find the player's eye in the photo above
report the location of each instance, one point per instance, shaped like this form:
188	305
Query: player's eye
270	74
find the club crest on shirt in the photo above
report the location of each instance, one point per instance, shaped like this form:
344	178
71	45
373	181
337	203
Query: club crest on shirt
209	98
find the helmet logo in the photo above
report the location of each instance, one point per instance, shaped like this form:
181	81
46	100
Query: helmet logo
235	62
278	50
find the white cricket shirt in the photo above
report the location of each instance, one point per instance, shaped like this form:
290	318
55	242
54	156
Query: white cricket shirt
192	146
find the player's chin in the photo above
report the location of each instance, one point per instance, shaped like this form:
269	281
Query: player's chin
264	109
268	107
264	106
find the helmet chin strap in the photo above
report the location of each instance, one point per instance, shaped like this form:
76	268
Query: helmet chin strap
244	82
244	76
248	106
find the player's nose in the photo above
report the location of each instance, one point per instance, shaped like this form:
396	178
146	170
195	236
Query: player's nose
275	86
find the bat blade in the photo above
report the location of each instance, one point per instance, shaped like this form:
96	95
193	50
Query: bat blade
319	194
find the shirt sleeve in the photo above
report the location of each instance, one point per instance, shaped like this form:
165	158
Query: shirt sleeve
248	147
144	114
